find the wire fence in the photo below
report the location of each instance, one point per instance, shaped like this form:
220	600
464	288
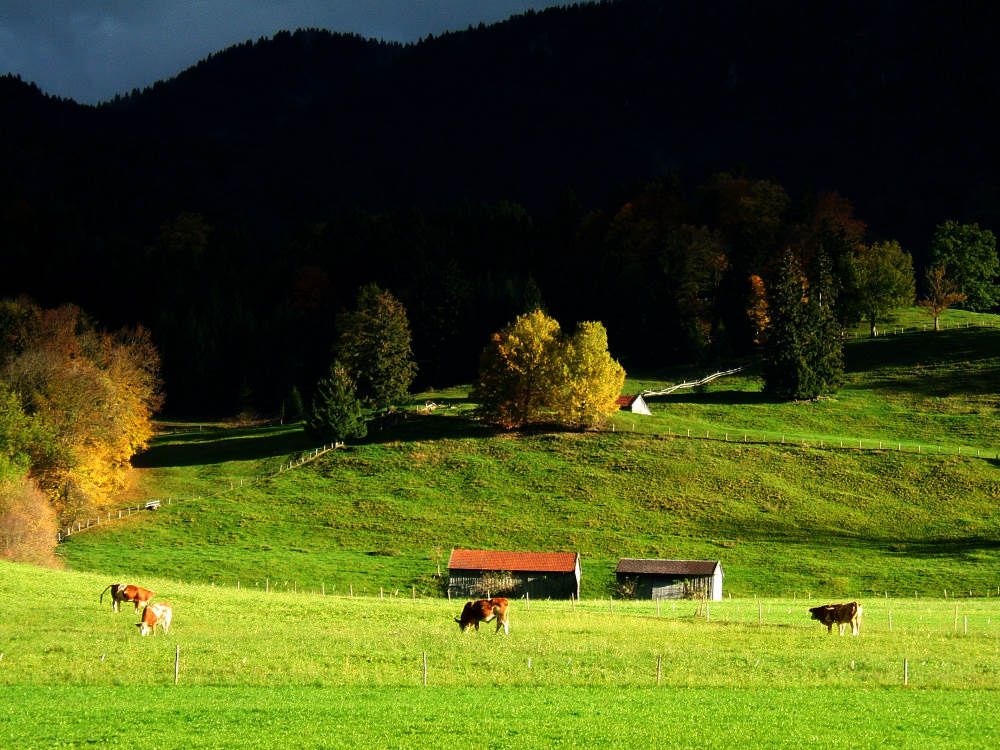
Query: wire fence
855	444
898	330
155	503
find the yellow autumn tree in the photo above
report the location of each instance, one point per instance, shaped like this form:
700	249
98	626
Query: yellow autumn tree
530	374
593	379
91	395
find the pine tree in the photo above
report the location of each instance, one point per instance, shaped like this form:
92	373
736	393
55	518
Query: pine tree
336	411
374	347
804	354
292	408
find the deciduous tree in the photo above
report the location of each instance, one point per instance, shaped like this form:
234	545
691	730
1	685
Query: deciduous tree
883	279
531	374
941	293
594	379
971	256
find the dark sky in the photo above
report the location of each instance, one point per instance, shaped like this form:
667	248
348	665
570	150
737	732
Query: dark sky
90	50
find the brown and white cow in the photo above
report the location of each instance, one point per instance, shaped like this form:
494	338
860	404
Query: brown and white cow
158	613
484	610
126	592
840	615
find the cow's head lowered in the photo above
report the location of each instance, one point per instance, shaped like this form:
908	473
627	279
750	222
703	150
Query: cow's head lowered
155	614
484	610
126	592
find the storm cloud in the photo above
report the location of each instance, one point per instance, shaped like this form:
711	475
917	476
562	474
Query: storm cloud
90	50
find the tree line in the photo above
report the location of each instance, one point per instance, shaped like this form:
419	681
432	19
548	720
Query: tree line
676	274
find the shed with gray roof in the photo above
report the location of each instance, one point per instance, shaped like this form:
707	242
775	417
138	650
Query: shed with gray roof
671	579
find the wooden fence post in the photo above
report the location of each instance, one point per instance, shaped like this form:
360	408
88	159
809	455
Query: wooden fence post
177	662
890	620
267	585
527	601
659	661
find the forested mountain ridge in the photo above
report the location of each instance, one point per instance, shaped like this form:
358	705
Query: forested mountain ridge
275	143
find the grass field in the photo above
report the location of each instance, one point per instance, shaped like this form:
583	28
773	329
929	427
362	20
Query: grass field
267	670
795	518
798	517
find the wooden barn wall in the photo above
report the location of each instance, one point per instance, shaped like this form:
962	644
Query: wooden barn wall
667	587
536	585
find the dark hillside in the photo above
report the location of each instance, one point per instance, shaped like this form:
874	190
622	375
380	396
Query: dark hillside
320	161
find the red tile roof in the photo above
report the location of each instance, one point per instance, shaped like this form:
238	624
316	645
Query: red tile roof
667	567
481	559
625	400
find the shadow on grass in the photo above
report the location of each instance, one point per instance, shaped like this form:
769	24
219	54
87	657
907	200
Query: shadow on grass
914	349
721	398
939	547
219	446
417	427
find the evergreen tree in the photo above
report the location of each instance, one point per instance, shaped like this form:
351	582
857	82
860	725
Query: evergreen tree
374	347
336	411
827	350
292	408
804	354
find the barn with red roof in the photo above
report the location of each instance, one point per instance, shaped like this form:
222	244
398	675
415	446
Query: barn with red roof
485	573
634	403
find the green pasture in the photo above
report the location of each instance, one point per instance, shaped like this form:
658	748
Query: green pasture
275	669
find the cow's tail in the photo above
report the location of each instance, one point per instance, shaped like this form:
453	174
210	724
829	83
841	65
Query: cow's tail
105	591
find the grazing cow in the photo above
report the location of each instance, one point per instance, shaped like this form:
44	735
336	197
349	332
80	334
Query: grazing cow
484	610
122	592
159	613
839	614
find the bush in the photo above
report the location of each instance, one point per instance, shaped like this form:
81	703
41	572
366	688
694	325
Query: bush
27	523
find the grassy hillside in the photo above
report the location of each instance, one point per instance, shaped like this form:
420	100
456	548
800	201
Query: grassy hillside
273	670
792	517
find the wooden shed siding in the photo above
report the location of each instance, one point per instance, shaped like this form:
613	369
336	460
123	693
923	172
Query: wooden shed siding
538	584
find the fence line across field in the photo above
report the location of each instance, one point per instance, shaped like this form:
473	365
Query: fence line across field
871	445
120	513
922	328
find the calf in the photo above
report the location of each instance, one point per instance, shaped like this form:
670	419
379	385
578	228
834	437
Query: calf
122	592
153	615
484	610
840	615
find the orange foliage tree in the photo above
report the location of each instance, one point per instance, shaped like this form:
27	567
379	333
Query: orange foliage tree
92	395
